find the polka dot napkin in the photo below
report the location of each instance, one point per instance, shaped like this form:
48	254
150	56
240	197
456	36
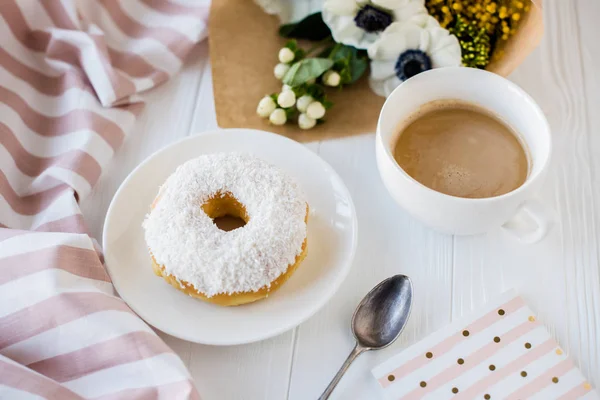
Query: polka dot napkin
500	352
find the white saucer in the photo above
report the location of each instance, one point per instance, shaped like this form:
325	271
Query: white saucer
332	232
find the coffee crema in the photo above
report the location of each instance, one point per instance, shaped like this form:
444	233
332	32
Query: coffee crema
462	150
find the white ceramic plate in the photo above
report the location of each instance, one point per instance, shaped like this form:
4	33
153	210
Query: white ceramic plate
332	233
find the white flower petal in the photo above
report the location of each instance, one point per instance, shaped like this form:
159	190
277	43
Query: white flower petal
383	69
393	28
384	87
344	30
377	87
448	56
397	38
391	4
390	84
445	59
289	10
424	20
368	39
440	38
274	7
341	7
413	10
444	49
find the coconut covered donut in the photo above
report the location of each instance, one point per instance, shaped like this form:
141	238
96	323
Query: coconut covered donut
228	268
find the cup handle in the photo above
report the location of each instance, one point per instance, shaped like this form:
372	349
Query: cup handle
538	213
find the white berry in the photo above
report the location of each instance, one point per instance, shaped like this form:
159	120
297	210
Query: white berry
331	78
278	117
280	70
315	110
306	122
286	87
266	105
286	55
303	102
286	99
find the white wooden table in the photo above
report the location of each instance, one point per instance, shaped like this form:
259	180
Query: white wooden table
559	277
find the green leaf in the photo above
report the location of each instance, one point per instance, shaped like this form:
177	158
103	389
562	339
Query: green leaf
346	76
358	67
299	53
305	70
299	91
341	64
359	64
310	28
290	113
315	91
349	62
292	45
326	51
341	52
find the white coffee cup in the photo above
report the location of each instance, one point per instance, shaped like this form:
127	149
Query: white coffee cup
457	215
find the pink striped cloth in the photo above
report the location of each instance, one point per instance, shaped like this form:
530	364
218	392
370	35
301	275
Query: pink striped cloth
70	72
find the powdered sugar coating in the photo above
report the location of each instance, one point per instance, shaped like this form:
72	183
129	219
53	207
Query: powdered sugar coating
189	245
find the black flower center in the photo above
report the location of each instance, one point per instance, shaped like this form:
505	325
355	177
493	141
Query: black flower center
372	19
411	63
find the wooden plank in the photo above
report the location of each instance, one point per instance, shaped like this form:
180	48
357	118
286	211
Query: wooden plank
589	33
204	117
253	371
390	242
559	276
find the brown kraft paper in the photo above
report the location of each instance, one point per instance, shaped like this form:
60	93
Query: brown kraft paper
244	44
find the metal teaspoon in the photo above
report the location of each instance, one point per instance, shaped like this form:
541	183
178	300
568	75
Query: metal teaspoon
378	320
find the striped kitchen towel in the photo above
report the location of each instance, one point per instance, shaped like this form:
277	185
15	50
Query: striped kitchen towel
70	72
500	352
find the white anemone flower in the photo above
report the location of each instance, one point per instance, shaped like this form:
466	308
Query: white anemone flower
408	48
359	23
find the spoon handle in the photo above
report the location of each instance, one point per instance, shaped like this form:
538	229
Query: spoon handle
356	351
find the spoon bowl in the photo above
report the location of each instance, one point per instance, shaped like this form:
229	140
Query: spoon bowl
378	320
382	314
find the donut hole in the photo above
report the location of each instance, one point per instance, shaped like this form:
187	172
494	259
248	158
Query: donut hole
226	212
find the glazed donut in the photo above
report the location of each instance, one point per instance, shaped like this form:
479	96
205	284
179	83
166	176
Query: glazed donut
227	268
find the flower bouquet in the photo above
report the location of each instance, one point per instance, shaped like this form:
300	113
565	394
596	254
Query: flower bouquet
337	60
